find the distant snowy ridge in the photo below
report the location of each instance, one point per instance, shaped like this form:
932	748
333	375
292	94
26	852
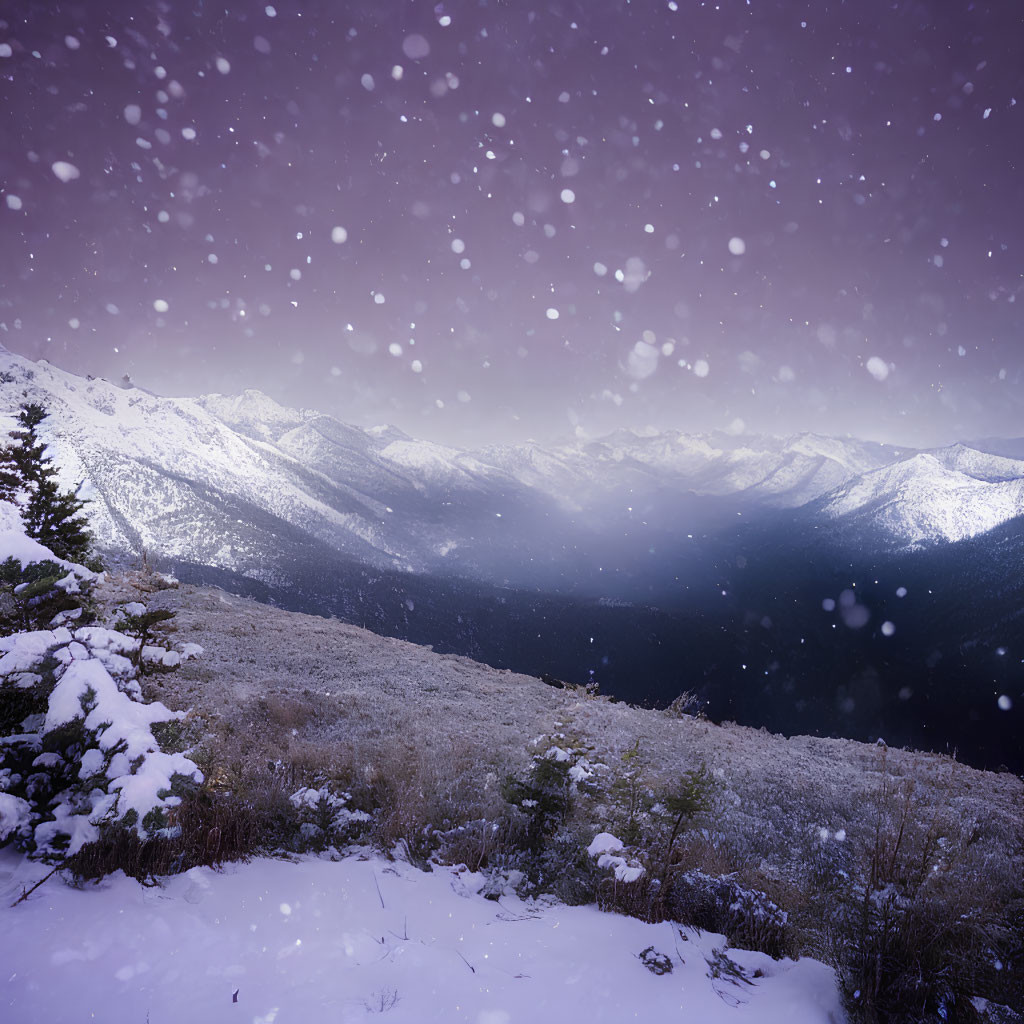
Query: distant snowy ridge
220	480
784	473
923	499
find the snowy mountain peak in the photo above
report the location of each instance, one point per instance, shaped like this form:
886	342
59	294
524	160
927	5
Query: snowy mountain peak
253	413
386	433
978	464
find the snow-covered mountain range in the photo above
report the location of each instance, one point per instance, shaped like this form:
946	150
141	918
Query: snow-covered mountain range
220	481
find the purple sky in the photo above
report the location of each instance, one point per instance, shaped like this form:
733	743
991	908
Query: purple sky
585	215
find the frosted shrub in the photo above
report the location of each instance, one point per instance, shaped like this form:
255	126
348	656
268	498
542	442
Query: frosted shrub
693	795
916	938
631	794
553	855
325	819
606	849
81	754
655	962
558	772
479	844
747	917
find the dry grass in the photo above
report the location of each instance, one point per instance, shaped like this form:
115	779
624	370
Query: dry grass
210	828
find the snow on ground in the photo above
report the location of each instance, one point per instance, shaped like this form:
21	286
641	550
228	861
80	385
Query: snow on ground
318	941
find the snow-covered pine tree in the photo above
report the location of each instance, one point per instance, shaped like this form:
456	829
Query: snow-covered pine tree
28	451
51	516
54	518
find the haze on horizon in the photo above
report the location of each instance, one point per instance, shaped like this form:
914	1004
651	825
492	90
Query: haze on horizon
486	224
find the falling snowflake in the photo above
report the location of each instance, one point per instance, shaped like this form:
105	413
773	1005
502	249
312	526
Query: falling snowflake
65	171
877	367
415	46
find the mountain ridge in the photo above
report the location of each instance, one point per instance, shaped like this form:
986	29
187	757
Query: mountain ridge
153	462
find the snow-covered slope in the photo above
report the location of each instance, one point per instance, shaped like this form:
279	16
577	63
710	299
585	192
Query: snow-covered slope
313	941
947	495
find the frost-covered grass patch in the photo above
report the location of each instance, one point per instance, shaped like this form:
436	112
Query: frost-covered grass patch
321	942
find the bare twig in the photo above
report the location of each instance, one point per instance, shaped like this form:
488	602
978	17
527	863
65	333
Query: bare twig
467	963
28	892
387	998
379	896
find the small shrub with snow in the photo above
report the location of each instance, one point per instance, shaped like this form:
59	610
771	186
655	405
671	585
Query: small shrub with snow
631	795
479	844
325	818
722	967
32	595
136	621
655	962
552	856
545	796
566	871
83	754
692	795
605	849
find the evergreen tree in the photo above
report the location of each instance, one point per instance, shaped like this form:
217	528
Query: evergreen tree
52	516
28	453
